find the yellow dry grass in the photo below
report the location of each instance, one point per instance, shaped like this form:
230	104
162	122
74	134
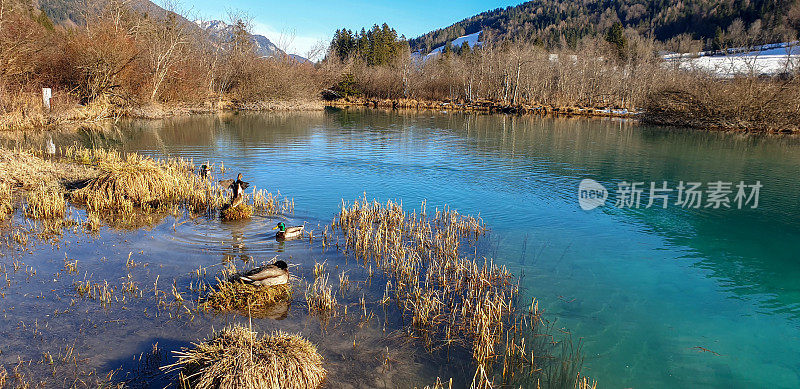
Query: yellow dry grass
237	357
24	170
131	181
6	204
45	203
239	212
248	300
320	297
449	299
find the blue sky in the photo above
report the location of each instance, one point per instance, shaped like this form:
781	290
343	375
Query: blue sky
301	24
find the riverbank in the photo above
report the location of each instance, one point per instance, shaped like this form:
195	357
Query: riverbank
485	106
26	112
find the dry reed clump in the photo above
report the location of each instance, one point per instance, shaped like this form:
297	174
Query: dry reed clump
132	181
239	212
320	297
248	300
237	357
6	204
451	300
266	202
45	203
24	170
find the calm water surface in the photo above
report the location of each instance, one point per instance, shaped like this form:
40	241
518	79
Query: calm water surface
660	297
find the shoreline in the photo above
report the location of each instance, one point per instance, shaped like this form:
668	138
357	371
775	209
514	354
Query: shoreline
486	106
97	113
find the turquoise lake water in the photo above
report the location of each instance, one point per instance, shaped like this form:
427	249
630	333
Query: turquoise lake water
660	298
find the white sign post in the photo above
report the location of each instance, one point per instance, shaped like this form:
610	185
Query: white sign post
47	93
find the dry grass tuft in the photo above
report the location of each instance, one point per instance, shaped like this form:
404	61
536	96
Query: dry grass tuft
449	299
248	300
320	297
46	203
6	205
239	212
237	357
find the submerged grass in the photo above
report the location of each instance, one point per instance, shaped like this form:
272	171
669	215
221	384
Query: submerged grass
450	300
237	357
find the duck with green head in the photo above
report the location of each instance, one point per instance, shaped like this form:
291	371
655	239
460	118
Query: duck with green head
288	232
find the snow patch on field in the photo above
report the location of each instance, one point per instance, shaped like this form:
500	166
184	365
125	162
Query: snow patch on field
772	59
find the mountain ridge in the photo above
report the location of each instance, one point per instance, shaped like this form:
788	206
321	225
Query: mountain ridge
556	22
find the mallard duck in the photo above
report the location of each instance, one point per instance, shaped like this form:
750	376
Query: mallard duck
287	232
237	186
204	169
268	275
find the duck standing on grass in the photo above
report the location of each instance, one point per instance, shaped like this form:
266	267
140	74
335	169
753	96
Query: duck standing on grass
268	275
237	186
287	232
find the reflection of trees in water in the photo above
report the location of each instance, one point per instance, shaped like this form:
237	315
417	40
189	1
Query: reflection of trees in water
751	252
243	131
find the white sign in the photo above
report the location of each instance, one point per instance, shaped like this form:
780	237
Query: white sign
47	93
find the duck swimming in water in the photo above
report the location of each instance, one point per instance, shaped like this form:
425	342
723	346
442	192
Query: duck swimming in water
268	275
287	232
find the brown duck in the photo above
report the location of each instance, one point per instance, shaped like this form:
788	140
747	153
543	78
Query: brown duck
237	186
268	275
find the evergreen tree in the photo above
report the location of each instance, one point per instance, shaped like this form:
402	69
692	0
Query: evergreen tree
465	49
616	36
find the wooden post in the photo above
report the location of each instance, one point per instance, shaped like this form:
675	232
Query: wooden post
47	93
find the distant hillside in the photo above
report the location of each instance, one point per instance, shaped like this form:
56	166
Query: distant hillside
552	22
72	12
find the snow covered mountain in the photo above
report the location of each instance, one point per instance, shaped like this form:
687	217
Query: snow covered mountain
224	31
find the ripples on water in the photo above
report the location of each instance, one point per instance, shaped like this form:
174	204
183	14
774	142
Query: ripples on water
647	290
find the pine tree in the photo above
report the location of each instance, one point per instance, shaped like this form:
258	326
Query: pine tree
616	36
465	49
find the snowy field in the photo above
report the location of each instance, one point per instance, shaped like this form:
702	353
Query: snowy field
770	59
